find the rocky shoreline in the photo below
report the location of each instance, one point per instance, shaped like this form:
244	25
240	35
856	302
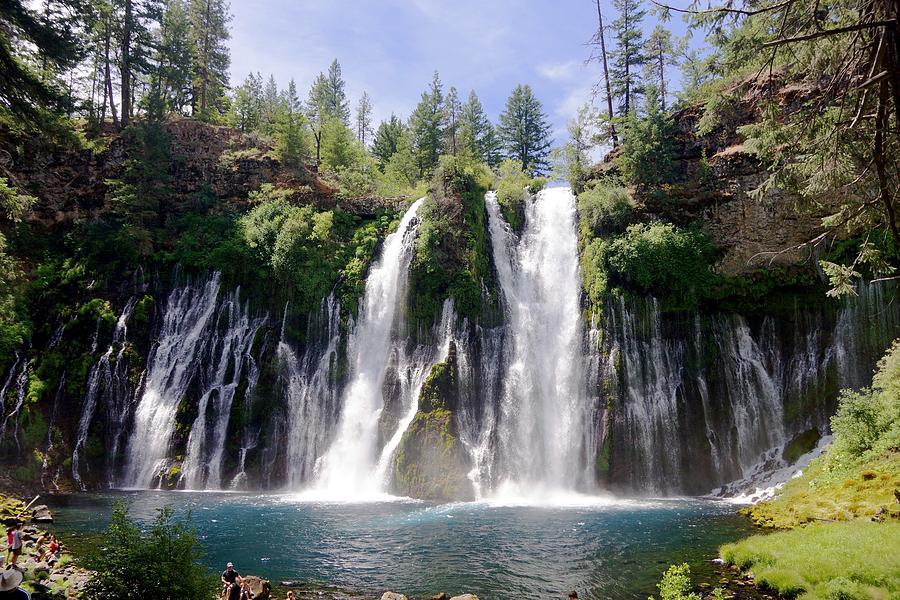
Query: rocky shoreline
56	577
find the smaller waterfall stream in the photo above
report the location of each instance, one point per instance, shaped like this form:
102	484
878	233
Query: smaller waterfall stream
228	354
171	367
104	380
349	467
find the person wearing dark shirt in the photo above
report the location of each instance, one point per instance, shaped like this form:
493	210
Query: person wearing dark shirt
9	586
231	580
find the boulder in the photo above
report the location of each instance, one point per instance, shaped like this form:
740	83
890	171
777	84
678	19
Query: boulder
441	596
41	514
260	587
393	596
465	597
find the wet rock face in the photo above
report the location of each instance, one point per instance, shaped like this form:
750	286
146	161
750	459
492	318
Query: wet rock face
431	462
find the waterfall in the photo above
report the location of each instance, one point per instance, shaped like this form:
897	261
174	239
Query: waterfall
21	385
348	468
249	433
704	401
50	445
171	367
105	380
228	349
312	392
545	418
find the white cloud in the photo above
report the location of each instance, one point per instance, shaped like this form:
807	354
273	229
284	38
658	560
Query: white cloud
564	71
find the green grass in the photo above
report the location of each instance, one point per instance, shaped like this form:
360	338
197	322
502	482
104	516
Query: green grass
859	560
826	492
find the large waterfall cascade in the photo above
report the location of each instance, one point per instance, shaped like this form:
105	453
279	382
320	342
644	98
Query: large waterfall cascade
544	424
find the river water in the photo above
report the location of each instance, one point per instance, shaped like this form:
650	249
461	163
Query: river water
604	548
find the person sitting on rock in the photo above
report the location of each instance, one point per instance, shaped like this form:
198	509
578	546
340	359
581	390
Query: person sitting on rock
246	592
51	551
9	586
231	580
573	595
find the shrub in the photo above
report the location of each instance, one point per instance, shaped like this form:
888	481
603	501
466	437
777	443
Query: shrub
160	564
512	185
663	260
869	420
604	209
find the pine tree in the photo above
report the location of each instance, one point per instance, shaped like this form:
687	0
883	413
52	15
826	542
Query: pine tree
524	130
135	50
600	38
209	36
317	111
660	52
247	106
172	86
452	109
363	118
27	95
427	126
269	106
387	140
628	56
290	99
492	147
334	95
475	131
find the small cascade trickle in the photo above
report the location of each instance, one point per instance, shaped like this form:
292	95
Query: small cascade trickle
224	367
349	467
172	365
249	432
311	391
49	475
108	382
20	384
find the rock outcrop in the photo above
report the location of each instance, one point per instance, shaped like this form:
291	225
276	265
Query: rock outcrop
431	462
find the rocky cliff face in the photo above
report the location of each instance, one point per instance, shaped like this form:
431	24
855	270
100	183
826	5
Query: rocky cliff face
716	185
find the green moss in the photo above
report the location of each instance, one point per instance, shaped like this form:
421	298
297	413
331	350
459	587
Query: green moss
800	445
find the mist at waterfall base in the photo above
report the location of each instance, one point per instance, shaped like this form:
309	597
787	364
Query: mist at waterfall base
616	549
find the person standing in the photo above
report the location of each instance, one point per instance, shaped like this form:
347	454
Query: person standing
16	546
9	586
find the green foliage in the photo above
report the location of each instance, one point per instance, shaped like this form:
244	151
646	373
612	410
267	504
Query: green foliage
628	56
161	564
513	184
676	585
858	560
451	259
648	154
867	423
604	209
662	260
388	140
307	251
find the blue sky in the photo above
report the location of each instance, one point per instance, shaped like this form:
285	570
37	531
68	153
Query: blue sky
390	48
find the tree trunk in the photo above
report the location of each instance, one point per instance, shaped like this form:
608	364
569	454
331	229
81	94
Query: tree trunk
204	66
879	159
609	105
108	88
126	63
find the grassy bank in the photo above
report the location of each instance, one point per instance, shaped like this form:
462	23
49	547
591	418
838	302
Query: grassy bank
836	561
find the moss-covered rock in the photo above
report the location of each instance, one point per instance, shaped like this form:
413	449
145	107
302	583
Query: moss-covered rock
431	462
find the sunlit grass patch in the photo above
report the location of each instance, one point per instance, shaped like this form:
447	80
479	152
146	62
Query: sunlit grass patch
849	561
